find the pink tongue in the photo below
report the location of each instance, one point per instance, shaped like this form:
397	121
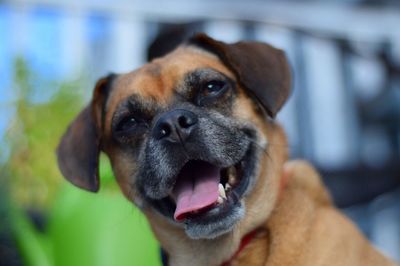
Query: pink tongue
196	188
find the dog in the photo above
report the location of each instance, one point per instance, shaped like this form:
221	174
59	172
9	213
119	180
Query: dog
193	143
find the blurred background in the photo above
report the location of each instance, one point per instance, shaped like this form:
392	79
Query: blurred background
344	114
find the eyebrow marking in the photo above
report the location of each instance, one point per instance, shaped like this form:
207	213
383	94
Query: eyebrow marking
136	105
193	79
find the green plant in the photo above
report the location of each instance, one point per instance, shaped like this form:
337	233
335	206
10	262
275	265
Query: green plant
33	136
82	228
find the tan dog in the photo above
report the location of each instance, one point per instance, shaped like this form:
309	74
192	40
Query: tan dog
193	143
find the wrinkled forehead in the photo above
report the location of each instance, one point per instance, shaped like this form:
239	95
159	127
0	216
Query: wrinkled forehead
157	81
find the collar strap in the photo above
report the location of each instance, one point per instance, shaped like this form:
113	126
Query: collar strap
245	241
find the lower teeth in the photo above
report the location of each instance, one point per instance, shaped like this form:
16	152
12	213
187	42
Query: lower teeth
221	191
220	200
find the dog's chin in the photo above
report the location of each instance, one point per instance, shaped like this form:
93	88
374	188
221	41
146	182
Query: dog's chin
217	217
215	222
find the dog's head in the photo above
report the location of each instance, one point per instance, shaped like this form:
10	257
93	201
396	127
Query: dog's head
187	134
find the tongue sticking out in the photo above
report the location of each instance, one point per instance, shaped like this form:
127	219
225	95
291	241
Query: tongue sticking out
196	188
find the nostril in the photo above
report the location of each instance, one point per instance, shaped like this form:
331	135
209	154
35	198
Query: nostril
164	130
186	121
183	122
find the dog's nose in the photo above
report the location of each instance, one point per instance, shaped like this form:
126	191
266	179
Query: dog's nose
175	125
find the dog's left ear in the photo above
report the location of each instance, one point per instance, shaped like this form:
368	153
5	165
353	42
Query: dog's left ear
260	68
79	148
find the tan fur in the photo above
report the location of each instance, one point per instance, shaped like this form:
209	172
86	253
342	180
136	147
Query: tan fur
305	229
299	228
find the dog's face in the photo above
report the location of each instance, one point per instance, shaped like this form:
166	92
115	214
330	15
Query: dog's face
186	134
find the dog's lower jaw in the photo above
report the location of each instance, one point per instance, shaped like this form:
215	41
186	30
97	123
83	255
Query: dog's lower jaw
217	228
183	249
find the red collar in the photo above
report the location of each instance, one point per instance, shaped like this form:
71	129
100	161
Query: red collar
245	241
247	238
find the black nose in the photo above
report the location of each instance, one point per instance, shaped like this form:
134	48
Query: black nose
175	125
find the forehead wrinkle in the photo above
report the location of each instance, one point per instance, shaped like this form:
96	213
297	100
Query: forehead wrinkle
193	58
137	102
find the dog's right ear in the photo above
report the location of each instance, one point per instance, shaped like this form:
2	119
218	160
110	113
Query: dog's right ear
79	148
260	68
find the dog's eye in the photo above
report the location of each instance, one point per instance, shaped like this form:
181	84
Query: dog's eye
214	88
210	91
126	124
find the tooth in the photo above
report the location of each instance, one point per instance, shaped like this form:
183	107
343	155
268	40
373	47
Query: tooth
221	191
220	200
232	176
232	180
228	187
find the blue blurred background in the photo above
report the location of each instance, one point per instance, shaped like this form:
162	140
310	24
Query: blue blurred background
344	114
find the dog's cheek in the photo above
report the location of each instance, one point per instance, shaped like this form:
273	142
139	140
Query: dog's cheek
247	110
261	201
123	166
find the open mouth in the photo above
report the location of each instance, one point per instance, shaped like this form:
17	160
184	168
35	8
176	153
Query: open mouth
205	196
205	192
202	187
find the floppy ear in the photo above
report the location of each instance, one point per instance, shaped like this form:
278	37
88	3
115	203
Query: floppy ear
260	68
79	148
